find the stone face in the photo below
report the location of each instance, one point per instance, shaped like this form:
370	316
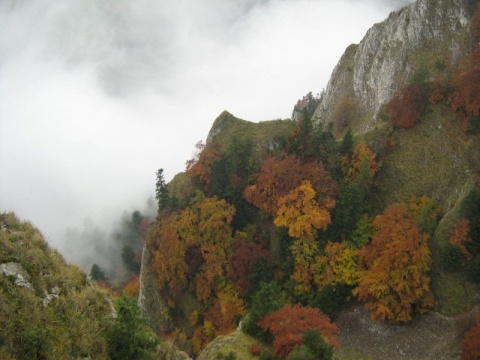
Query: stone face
391	51
15	269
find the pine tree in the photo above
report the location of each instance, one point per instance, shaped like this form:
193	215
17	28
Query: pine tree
161	191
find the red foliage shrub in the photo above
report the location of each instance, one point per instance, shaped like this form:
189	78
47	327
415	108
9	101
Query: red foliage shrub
470	349
242	261
406	106
289	324
255	350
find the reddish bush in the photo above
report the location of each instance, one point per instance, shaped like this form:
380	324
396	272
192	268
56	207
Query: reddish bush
255	350
289	324
471	343
406	106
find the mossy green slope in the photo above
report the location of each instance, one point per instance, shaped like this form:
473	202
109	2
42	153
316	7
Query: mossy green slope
71	325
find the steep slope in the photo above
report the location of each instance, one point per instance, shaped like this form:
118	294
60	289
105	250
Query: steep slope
50	310
47	308
428	35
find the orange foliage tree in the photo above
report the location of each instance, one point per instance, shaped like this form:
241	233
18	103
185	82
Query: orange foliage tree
395	277
470	349
280	175
289	324
226	311
168	254
132	287
406	106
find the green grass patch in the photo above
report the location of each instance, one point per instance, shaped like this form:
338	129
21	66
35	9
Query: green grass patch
262	134
237	343
453	292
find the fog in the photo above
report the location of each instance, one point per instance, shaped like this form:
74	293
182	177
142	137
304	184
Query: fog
96	95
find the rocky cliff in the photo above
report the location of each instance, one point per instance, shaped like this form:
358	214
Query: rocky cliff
428	35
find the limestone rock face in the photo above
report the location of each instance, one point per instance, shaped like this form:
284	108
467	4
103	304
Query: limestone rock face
427	34
19	274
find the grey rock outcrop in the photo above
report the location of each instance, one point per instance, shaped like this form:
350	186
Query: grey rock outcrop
427	33
48	297
17	272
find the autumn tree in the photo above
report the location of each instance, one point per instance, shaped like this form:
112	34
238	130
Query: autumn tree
207	225
203	231
280	175
470	349
362	164
341	265
395	278
246	253
132	287
306	265
406	106
289	324
226	310
277	177
168	250
300	212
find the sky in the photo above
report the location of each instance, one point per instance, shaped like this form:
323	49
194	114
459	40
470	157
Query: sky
96	95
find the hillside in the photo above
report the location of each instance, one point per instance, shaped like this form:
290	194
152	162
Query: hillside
49	309
368	198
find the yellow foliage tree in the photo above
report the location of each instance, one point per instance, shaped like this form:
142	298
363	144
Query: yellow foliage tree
204	232
300	212
362	156
304	251
341	265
